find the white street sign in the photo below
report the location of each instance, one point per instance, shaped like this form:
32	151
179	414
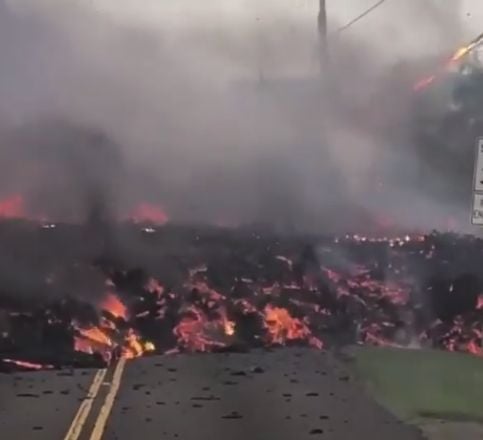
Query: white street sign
478	174
477	211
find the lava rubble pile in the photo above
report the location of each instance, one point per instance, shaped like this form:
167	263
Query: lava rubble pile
183	289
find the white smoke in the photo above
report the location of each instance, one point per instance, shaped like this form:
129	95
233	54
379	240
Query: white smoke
218	109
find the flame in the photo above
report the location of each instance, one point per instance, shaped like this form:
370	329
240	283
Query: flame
28	365
94	340
229	327
95	335
459	54
452	61
132	346
149	346
474	349
114	306
148	213
12	207
423	83
195	332
378	307
106	338
282	327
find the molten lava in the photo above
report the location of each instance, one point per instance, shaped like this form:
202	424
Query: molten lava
282	327
12	207
28	365
197	332
149	213
106	339
239	294
112	304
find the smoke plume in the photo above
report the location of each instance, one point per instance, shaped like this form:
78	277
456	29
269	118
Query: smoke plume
219	113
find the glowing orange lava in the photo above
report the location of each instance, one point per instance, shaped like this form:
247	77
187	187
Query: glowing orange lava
282	327
28	365
149	213
106	338
195	332
12	207
114	306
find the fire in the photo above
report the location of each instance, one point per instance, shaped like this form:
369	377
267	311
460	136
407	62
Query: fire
356	289
196	332
95	335
282	327
473	348
459	54
423	83
149	346
448	65
28	365
106	339
12	207
229	327
114	306
132	345
149	213
479	305
452	61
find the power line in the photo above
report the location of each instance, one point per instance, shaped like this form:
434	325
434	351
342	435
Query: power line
359	17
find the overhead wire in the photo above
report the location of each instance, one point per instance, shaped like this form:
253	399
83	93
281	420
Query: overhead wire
359	17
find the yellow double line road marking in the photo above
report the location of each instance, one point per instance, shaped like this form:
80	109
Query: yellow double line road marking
80	418
109	402
85	407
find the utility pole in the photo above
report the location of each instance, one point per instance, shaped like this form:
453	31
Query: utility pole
322	27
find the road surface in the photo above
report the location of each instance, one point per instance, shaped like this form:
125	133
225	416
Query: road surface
284	394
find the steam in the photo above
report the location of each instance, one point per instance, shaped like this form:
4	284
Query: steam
219	113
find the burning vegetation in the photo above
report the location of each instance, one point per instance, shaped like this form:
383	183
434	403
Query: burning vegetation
184	289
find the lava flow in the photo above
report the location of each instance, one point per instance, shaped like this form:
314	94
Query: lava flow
213	290
15	206
12	207
109	339
148	213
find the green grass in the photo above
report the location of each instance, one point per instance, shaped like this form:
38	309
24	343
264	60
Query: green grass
423	383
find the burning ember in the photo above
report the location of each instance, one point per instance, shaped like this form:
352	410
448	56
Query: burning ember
212	290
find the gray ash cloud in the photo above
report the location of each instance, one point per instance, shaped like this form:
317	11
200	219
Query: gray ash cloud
218	122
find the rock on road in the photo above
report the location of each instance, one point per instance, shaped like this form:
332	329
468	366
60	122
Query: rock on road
282	394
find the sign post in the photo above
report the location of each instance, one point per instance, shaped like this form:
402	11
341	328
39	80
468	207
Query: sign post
477	209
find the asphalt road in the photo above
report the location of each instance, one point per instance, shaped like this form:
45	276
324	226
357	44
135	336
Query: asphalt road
40	405
285	394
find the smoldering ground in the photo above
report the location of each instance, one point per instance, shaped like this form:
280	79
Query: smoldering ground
217	119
